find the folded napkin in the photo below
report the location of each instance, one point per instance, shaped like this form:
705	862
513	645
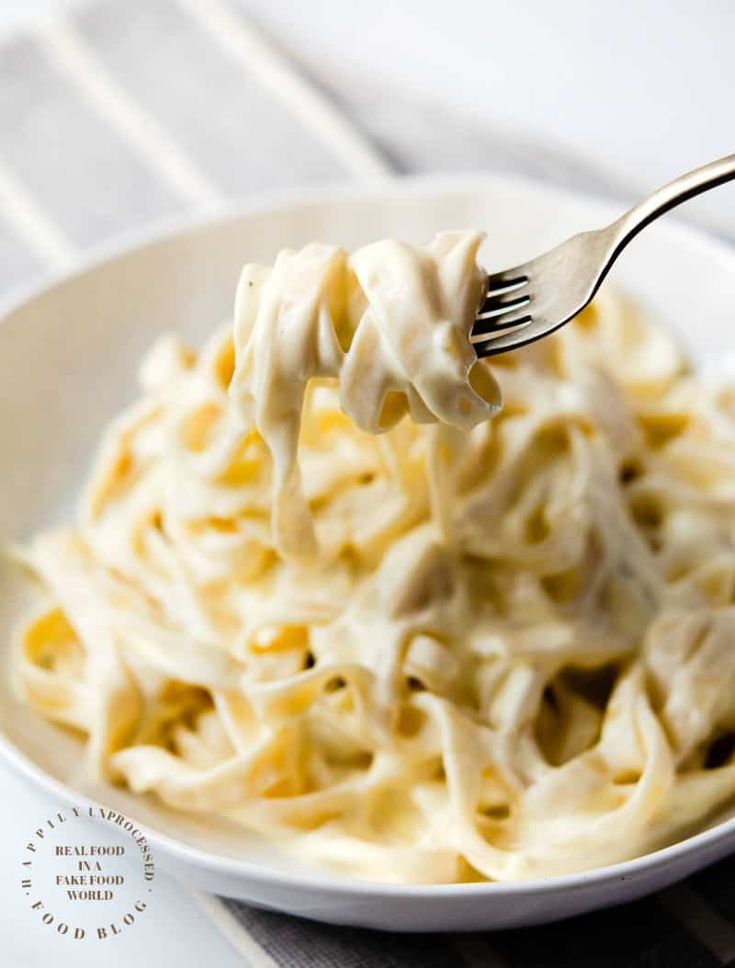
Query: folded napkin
130	111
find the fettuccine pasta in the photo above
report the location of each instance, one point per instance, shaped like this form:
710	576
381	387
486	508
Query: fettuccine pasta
324	585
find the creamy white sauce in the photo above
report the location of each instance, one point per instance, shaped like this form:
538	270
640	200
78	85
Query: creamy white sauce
314	589
391	323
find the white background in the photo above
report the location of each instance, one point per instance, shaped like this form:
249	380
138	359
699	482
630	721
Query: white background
642	89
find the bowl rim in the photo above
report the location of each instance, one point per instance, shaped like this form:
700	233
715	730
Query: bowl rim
203	220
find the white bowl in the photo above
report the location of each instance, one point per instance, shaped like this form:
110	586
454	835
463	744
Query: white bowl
68	358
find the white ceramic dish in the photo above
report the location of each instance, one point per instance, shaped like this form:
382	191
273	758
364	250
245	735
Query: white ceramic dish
68	356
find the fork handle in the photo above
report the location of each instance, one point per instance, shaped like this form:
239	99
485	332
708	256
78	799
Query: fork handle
674	193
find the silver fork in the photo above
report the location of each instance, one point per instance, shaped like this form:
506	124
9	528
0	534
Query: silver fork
531	300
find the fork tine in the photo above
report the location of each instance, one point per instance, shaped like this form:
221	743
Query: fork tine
504	282
485	328
482	335
531	330
498	305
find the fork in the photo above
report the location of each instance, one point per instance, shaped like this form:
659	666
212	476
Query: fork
531	300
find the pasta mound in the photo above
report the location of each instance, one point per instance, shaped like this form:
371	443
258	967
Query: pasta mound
438	648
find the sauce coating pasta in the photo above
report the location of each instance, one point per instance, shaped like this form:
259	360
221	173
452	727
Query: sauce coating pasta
314	588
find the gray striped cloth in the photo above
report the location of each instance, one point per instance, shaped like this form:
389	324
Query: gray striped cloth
130	111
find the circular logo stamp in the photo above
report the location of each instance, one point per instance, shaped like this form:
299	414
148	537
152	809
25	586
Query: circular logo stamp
88	872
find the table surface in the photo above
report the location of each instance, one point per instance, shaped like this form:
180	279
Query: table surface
641	117
639	91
